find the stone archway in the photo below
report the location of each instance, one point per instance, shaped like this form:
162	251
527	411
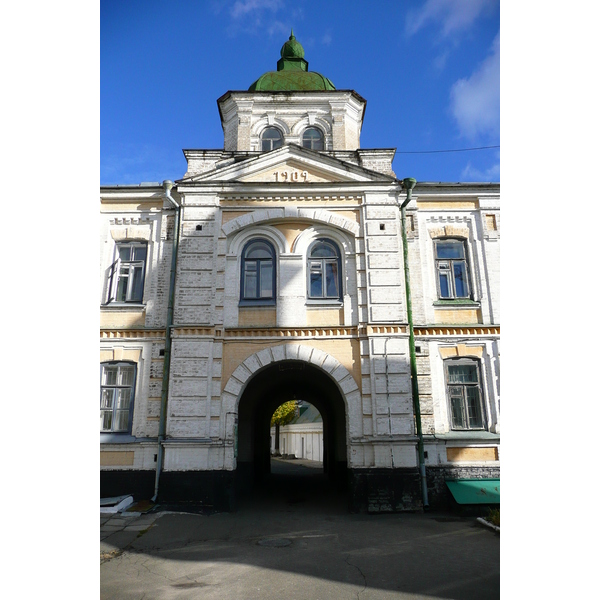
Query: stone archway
277	374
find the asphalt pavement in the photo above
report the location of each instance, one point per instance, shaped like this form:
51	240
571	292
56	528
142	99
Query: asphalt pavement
295	539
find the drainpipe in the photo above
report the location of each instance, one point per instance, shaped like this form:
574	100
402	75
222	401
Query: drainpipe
409	184
162	424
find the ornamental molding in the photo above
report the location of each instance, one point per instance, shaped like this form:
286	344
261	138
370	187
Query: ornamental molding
383	330
292	212
132	334
291	332
451	330
448	219
194	331
293	198
143	220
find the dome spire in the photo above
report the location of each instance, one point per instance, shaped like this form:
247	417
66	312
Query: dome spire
292	50
292	72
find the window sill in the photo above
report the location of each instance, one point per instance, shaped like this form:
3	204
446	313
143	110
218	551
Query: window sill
458	303
116	438
128	306
472	435
319	303
256	303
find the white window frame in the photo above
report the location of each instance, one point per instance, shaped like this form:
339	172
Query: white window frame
112	393
458	390
116	273
446	266
317	264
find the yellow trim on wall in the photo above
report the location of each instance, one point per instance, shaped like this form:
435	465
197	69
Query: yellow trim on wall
471	454
457	316
252	316
122	320
447	204
462	350
111	458
323	317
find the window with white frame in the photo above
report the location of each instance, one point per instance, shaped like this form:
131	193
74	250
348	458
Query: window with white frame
117	381
324	270
271	138
452	269
258	273
126	274
313	138
464	394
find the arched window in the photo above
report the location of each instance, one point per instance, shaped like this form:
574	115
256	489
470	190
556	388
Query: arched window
271	139
117	381
258	272
313	138
464	394
452	269
324	270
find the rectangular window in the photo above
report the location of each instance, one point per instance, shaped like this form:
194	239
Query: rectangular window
464	394
116	397
126	274
451	269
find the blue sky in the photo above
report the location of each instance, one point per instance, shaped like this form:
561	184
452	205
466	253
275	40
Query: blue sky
429	70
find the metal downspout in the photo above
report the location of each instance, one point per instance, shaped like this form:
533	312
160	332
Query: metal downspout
162	425
409	184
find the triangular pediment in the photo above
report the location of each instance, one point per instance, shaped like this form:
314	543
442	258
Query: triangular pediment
293	170
290	164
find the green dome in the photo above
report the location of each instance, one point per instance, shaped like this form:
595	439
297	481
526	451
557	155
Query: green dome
292	73
292	48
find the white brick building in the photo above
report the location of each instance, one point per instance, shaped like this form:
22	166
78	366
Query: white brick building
290	282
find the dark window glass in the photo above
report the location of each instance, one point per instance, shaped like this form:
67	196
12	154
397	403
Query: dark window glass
258	271
271	139
324	270
464	394
451	268
313	138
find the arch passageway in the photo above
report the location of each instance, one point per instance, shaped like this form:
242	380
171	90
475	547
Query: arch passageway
270	387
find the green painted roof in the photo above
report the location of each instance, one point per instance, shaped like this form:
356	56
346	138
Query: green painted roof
475	491
292	73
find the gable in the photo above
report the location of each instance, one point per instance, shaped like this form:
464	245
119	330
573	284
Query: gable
294	171
291	164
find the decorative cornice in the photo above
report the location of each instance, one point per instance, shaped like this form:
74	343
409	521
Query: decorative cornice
132	333
197	331
291	332
383	330
357	198
131	220
303	332
444	330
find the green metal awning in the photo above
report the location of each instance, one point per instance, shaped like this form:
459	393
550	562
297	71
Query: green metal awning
475	491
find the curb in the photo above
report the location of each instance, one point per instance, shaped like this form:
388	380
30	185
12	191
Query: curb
488	524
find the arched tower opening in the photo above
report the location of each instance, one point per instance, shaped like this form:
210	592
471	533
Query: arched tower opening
270	387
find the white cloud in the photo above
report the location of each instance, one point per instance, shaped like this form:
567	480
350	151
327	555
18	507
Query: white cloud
254	16
453	16
279	29
475	101
491	174
246	8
